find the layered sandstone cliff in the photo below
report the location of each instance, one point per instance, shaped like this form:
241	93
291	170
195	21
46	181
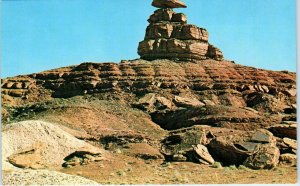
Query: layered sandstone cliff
168	36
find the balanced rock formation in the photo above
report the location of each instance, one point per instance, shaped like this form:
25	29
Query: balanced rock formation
168	36
168	4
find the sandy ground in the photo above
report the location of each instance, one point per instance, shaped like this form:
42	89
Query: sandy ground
43	177
121	169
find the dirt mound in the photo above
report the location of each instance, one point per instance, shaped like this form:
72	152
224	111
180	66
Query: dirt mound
38	144
43	177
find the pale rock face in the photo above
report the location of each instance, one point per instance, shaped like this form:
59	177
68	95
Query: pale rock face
38	145
203	153
187	102
168	4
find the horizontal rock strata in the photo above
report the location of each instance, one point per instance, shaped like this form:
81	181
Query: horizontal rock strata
168	36
211	82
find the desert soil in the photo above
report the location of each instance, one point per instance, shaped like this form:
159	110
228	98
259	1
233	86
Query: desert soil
43	177
121	169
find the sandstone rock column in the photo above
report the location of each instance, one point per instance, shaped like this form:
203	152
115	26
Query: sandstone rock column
168	36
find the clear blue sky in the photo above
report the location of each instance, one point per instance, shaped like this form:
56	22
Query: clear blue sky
46	34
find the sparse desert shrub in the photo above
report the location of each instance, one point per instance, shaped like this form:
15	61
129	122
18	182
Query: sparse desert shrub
232	167
121	173
166	164
243	167
217	165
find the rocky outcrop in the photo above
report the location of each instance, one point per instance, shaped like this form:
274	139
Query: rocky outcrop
285	130
219	83
187	102
256	150
151	102
83	157
216	93
168	36
181	145
216	115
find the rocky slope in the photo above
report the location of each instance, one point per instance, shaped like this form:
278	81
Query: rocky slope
181	102
216	82
214	93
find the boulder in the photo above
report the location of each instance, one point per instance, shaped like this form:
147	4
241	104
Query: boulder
208	102
266	157
232	149
179	18
255	150
288	159
203	154
284	130
163	103
190	32
214	53
82	157
159	30
29	158
163	15
180	145
262	136
152	102
179	157
286	147
168	4
187	102
291	92
290	143
147	100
